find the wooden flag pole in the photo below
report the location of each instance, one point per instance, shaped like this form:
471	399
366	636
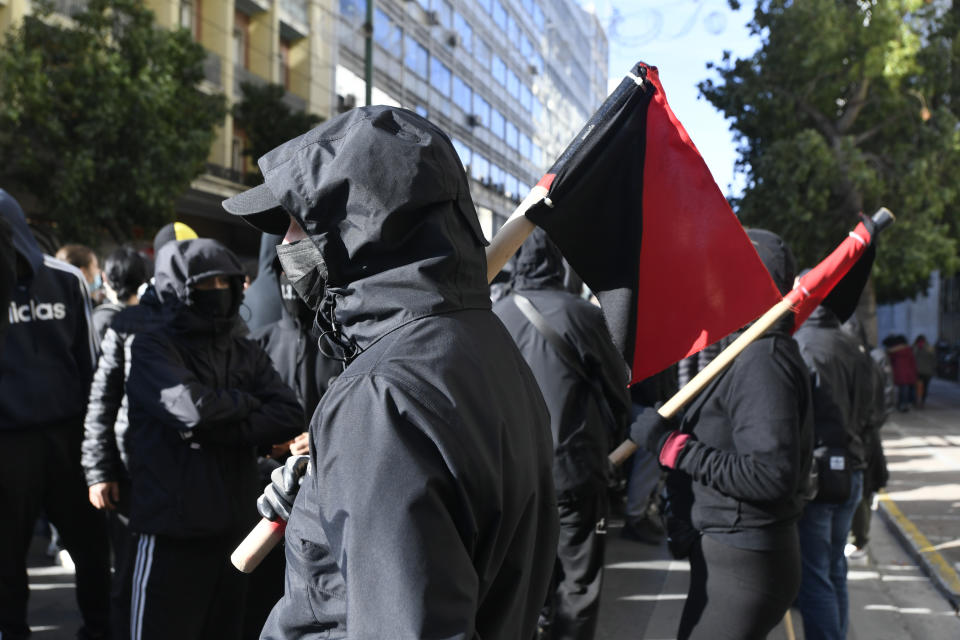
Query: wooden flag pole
512	234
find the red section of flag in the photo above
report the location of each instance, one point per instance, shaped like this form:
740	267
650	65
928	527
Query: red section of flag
699	277
817	283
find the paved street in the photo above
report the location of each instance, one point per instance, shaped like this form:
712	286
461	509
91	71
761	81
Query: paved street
907	587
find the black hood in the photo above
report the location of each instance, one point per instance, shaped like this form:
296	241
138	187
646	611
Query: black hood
23	240
538	264
382	195
776	257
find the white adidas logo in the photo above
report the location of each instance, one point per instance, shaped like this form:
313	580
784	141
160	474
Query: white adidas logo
36	311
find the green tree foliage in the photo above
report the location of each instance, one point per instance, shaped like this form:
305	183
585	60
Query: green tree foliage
845	107
101	118
267	121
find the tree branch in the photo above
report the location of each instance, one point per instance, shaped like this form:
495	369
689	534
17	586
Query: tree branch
855	104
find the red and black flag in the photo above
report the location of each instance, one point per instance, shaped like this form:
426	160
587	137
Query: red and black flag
636	213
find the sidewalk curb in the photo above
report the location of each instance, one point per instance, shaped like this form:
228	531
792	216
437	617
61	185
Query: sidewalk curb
943	576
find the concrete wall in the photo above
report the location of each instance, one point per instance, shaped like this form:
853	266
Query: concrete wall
913	317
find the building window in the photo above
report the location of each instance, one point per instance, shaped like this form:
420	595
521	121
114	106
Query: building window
512	136
440	77
487	5
526	147
463	29
189	17
352	10
480	168
462	94
499	70
236	154
444	12
526	49
481	109
513	31
499	15
241	42
526	97
463	151
285	64
496	177
538	18
513	84
386	33
512	187
421	111
496	123
482	53
417	58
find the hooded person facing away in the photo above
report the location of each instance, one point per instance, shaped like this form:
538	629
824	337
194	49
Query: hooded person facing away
45	371
428	510
202	398
589	408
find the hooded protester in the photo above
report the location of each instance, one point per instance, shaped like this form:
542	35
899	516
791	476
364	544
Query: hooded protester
843	386
202	398
104	448
261	300
584	383
429	509
45	371
740	460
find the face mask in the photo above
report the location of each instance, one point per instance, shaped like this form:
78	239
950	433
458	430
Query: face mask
214	303
304	267
294	306
97	283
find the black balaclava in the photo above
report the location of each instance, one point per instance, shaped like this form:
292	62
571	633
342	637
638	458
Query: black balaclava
219	304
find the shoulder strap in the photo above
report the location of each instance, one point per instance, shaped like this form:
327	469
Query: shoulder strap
558	342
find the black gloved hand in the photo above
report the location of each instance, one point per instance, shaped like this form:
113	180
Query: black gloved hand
277	499
650	430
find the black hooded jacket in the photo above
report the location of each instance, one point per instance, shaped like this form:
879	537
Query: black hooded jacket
292	346
201	399
49	350
261	300
582	433
843	383
430	510
749	457
104	450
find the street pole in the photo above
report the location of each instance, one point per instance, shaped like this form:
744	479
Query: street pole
368	53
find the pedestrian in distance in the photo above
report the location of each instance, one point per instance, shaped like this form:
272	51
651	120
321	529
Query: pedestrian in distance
104	449
45	370
428	509
584	382
843	382
202	399
904	369
739	462
926	360
124	272
83	258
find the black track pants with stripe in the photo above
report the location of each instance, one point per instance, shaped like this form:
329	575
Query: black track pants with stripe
185	589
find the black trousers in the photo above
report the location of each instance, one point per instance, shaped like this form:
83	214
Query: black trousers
41	470
738	594
571	612
185	589
122	542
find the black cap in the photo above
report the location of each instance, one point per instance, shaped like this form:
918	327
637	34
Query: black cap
260	208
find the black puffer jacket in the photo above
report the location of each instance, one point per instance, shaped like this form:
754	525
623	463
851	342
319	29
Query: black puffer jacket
201	399
748	460
104	450
430	512
843	382
583	430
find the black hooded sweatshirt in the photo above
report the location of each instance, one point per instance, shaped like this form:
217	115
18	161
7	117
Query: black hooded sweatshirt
843	382
748	460
582	431
430	511
201	399
261	300
292	346
50	349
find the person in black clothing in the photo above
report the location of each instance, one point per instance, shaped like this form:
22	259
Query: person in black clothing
843	385
743	450
45	371
124	272
589	406
202	398
8	275
261	300
430	509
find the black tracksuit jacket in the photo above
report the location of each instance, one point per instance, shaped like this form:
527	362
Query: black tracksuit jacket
430	510
50	350
201	399
104	449
751	448
842	380
583	432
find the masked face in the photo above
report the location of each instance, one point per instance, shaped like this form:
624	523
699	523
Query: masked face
305	270
294	306
215	303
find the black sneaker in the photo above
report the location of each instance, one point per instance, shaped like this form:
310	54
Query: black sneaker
642	530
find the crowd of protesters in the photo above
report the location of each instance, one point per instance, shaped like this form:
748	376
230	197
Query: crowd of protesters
441	462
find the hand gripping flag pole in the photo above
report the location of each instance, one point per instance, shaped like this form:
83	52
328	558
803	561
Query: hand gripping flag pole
844	271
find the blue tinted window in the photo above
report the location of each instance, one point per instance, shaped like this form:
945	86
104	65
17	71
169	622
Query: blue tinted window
499	70
481	108
417	58
462	94
462	27
440	76
496	123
